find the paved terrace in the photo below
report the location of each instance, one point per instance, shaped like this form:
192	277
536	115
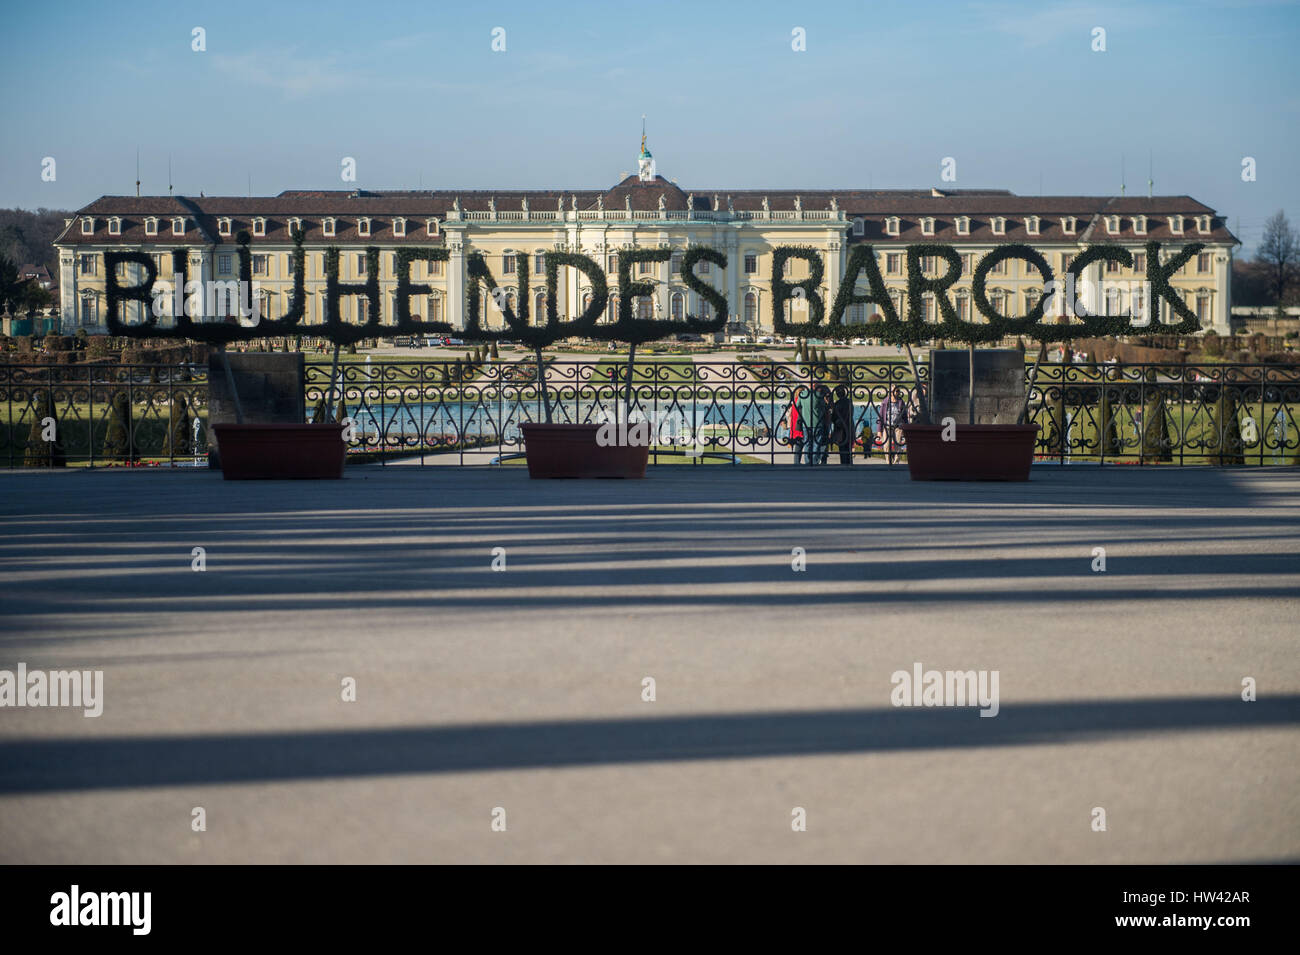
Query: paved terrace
522	689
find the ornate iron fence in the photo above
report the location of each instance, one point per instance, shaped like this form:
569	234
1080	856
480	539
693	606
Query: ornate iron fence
703	411
103	415
696	411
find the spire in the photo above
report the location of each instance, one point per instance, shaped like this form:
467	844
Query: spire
645	162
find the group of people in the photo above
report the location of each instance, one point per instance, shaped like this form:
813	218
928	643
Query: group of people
818	418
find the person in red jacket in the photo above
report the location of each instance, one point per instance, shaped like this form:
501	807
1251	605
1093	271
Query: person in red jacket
794	423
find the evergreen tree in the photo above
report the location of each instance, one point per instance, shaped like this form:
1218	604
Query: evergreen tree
39	452
1155	426
1227	425
119	439
178	427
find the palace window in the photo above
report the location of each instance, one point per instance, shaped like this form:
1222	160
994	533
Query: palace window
1112	265
857	313
677	306
224	264
644	268
1203	313
363	227
151	226
399	227
1204	262
114	225
1112	225
1032	225
431	226
611	310
1176	225
891	225
178	226
705	309
1140	225
967	263
1139	261
999	224
1069	224
999	300
295	225
1203	224
89	309
361	263
259	226
963	225
645	307
327	226
894	263
751	263
751	308
611	263
88	264
1066	259
963	306
260	266
675	266
508	264
435	269
223	227
859	227
927	225
435	307
1114	301
539	262
999	268
539	306
87	225
702	267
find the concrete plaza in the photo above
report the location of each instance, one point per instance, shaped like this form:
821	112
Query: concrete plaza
521	689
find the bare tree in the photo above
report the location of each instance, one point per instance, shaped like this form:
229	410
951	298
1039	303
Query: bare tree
1279	253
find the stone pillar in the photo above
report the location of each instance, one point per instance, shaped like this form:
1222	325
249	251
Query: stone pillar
999	385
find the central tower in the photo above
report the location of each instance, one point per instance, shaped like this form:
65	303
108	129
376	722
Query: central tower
645	163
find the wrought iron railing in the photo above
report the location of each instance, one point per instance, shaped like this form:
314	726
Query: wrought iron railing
103	414
695	410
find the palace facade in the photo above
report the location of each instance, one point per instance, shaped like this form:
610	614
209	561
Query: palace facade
512	229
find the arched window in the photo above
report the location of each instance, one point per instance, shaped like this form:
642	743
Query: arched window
586	301
751	308
857	313
859	227
539	308
435	308
611	310
645	307
678	306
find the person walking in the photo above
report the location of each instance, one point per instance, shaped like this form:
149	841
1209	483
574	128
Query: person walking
813	420
893	415
794	425
842	424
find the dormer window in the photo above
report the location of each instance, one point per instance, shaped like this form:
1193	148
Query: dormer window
999	224
87	225
859	227
1140	225
327	226
891	225
1203	225
1112	225
178	226
399	227
431	226
1176	225
1032	225
114	225
963	225
223	227
927	225
151	226
1069	225
363	227
259	226
295	225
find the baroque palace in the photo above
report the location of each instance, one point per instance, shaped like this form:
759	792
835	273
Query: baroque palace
513	228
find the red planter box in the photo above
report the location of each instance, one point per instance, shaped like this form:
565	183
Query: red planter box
296	452
980	452
571	451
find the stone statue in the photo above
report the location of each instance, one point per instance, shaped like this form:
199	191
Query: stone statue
524	205
835	206
627	204
455	206
731	210
492	206
662	205
600	206
690	202
767	209
798	204
573	202
716	207
559	207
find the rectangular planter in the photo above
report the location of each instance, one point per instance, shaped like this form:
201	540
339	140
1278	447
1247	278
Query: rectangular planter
571	451
296	452
979	452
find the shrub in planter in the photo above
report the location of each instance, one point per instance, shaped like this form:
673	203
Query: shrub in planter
39	452
119	439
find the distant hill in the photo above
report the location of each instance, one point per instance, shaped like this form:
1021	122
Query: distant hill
27	237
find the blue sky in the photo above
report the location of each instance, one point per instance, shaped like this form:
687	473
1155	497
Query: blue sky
884	91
